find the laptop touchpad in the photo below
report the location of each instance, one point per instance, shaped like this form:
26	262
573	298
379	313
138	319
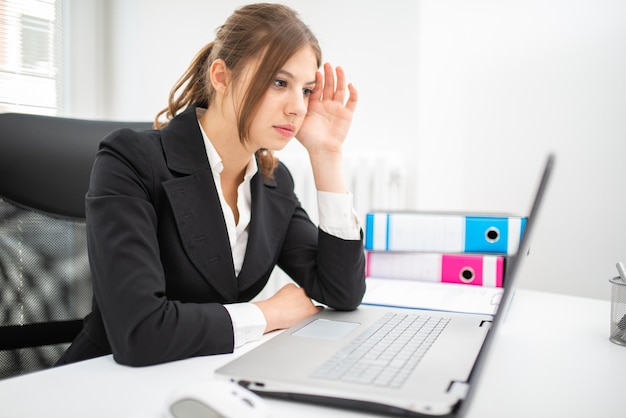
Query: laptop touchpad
326	329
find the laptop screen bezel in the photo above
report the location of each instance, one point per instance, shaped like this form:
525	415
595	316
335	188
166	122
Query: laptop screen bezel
512	270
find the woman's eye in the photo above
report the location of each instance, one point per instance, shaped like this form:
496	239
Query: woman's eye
280	83
307	92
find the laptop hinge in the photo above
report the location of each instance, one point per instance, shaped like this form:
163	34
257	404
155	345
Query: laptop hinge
485	323
459	389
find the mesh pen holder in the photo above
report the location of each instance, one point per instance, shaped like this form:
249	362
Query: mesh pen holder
618	311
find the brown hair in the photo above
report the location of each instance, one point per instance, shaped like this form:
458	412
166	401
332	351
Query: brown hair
271	32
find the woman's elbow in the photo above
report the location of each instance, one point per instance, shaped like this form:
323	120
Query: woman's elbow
349	301
141	350
137	357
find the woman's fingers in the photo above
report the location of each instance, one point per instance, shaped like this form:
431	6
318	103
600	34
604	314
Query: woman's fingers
329	82
353	98
333	86
340	92
316	94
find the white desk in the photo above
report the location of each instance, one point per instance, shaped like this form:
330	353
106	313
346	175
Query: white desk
551	358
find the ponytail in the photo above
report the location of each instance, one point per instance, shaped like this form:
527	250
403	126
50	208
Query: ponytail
267	162
195	89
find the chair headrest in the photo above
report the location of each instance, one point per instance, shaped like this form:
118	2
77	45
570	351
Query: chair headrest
45	161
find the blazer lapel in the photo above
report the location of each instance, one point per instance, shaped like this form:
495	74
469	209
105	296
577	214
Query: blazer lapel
203	231
271	213
194	201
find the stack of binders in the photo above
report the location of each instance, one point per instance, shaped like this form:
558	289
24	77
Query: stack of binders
441	247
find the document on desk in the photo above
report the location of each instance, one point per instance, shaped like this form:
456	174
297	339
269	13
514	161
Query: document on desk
449	297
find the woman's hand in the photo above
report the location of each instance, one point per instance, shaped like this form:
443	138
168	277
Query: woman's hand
287	307
329	114
325	127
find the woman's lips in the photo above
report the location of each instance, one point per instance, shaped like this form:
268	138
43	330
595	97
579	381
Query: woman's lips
285	130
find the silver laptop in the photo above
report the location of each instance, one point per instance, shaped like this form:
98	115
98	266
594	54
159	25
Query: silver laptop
395	361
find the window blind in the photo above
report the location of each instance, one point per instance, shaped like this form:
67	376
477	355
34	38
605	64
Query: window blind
31	56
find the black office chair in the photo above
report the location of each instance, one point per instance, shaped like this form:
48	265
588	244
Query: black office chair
45	281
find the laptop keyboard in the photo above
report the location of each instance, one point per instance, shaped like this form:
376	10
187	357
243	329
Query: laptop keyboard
386	353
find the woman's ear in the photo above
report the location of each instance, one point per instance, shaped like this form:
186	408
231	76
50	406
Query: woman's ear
220	75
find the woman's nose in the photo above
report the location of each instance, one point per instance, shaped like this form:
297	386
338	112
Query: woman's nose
297	104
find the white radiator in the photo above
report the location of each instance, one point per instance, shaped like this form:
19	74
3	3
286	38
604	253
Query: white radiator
385	182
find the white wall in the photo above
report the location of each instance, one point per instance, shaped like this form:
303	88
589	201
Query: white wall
476	93
501	83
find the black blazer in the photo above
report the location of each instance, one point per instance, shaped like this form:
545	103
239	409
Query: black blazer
160	256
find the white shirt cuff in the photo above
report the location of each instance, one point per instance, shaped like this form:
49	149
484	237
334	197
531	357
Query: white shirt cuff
248	322
337	216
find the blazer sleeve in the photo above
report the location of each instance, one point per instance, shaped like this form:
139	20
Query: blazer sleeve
330	269
142	325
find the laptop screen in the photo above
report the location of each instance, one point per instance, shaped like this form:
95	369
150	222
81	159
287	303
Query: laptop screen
512	273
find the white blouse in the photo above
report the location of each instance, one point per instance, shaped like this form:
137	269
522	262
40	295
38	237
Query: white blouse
336	217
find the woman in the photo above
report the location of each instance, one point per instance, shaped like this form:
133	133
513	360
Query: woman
186	223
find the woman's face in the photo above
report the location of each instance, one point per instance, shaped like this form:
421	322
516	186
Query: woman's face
284	106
